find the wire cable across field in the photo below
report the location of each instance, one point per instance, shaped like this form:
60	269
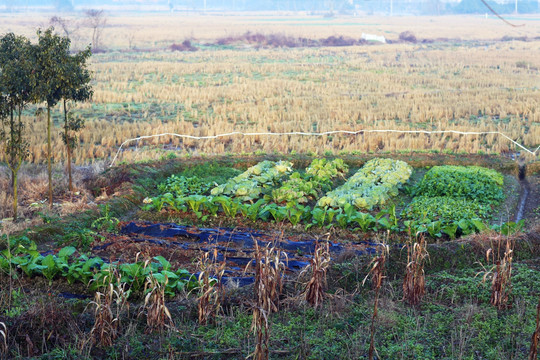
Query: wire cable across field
346	132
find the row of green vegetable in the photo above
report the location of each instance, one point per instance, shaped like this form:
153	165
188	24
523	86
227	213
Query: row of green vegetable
270	191
373	185
94	272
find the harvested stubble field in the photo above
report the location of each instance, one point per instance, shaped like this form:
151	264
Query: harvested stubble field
470	80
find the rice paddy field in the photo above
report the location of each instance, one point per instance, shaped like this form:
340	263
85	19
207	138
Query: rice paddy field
360	245
464	74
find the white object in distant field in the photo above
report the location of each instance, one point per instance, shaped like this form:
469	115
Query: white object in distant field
370	37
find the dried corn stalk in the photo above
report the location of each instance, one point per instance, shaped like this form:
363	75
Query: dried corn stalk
210	288
414	281
314	292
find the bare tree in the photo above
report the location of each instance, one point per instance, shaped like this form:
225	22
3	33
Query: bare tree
70	28
63	23
96	20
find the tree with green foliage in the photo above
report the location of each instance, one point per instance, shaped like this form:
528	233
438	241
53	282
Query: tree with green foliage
50	52
75	86
16	79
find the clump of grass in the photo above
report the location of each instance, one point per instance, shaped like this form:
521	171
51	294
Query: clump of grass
535	340
109	306
269	270
414	285
158	316
314	292
210	288
46	323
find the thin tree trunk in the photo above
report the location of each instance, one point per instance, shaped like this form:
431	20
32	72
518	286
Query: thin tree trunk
49	155
16	167
68	145
12	135
15	198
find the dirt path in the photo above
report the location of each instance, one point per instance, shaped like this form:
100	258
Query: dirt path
529	203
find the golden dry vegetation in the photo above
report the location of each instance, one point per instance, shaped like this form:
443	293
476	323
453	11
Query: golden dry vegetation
478	83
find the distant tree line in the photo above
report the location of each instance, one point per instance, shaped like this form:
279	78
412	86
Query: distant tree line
415	7
45	73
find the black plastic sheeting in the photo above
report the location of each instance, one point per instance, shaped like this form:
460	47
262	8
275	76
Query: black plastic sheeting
244	238
161	234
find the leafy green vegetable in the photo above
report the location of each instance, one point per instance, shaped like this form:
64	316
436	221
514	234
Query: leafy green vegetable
424	210
256	181
466	182
372	185
181	185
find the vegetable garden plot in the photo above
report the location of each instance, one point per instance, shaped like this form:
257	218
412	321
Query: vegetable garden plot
450	201
270	191
183	245
454	200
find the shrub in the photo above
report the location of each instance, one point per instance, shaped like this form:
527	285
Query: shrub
408	37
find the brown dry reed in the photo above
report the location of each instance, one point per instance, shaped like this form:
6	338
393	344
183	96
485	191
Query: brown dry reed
158	316
210	287
414	285
109	307
314	292
535	340
377	276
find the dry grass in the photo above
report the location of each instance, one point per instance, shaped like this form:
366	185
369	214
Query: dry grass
46	324
314	292
535	340
109	307
210	287
33	186
414	281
